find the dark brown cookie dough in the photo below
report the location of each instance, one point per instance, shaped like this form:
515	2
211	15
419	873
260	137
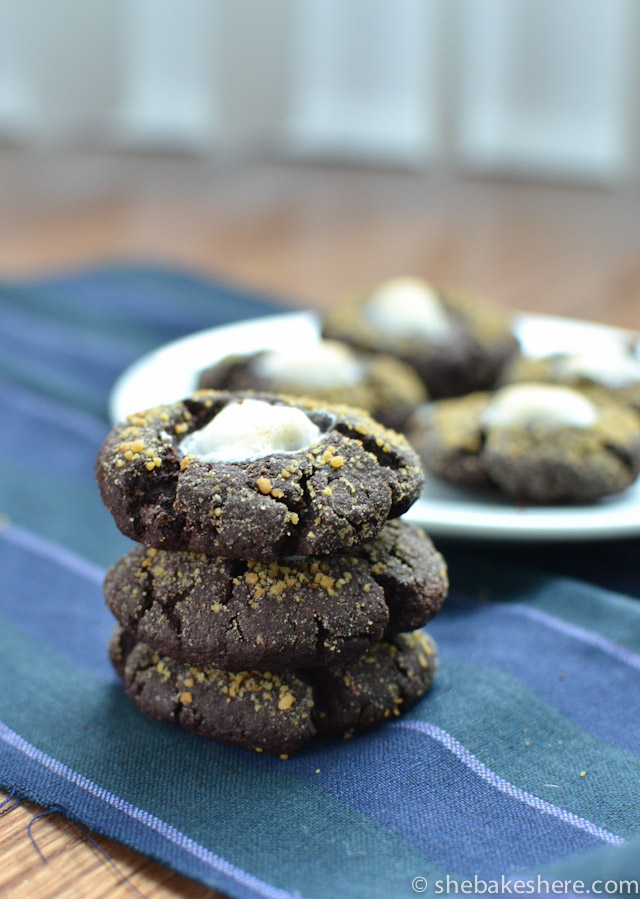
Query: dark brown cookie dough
295	613
470	358
335	494
412	573
388	389
382	684
567	368
534	463
277	713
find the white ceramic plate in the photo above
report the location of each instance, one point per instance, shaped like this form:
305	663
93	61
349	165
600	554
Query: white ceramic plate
170	373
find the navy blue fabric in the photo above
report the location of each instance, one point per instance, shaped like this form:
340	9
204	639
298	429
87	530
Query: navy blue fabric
522	761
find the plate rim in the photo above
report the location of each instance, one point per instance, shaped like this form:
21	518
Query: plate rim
512	523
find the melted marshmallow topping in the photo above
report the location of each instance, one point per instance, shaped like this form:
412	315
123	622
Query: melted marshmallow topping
250	429
407	307
610	367
520	405
326	363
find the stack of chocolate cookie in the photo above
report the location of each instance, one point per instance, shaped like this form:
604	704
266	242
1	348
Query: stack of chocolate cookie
271	600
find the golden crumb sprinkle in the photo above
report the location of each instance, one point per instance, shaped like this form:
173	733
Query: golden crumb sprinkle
186	697
324	580
336	462
327	455
251	578
286	701
264	485
293	517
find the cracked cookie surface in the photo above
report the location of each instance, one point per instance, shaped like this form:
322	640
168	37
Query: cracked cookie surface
469	357
388	389
609	373
277	712
532	463
332	495
294	613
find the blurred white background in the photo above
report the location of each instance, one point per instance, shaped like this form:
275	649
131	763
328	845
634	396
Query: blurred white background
533	87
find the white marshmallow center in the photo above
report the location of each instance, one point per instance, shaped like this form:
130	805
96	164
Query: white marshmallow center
610	367
520	405
407	307
250	429
326	363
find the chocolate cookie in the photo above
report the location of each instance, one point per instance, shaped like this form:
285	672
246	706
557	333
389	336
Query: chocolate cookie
455	342
538	443
388	389
295	613
277	713
614	370
255	477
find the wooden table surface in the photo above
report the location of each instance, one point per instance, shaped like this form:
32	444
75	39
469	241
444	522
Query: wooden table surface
307	235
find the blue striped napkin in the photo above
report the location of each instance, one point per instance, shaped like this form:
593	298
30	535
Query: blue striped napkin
522	763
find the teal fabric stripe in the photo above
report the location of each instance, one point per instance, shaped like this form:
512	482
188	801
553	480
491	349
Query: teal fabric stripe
484	775
89	634
617	619
610	564
531	744
146	305
617	871
19	402
487	682
129	311
259	819
34	499
512	634
106	812
488	690
67	339
600	610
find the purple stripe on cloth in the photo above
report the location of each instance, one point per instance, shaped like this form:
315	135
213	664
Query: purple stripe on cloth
64	416
572	630
146	818
490	777
13	533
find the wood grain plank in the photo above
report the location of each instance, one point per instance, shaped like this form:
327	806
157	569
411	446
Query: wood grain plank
308	235
68	865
